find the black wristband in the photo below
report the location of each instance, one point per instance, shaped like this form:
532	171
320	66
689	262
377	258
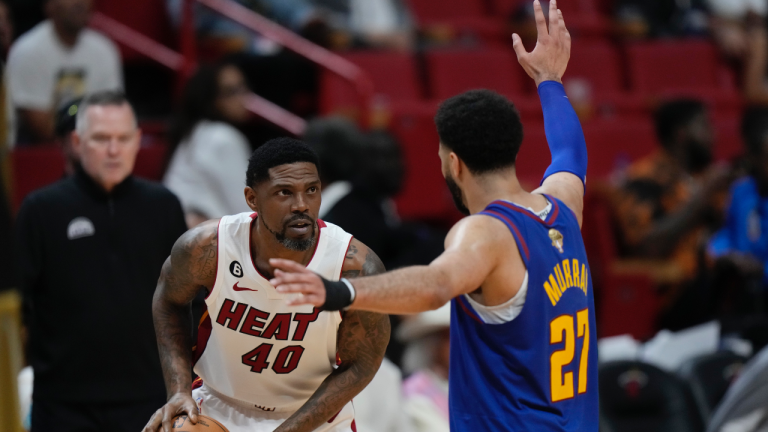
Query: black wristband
337	295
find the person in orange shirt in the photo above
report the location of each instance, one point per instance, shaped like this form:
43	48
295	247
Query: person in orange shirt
671	201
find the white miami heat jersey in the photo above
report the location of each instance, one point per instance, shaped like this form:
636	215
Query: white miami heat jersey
253	347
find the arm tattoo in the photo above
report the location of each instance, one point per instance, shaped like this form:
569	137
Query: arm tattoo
192	264
362	340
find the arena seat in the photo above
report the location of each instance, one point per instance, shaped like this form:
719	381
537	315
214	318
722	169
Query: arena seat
620	290
709	377
424	195
394	75
613	144
637	397
452	72
33	168
659	66
597	63
728	143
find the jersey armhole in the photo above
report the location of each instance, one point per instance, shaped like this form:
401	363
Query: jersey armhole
213	291
522	246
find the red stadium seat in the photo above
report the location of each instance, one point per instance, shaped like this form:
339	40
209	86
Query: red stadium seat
655	67
442	10
613	144
33	168
728	142
394	76
598	64
424	196
454	71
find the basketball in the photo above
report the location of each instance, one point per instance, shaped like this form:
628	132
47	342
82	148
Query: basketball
204	424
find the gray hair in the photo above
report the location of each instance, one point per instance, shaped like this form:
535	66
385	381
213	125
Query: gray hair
100	98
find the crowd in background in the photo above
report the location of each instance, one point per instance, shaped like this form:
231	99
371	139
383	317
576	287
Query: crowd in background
677	207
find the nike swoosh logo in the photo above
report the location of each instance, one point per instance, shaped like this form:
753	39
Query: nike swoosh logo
237	288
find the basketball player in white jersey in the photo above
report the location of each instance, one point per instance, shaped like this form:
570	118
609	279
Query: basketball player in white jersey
264	365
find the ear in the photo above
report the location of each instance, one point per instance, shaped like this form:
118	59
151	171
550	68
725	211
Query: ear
77	142
456	166
250	198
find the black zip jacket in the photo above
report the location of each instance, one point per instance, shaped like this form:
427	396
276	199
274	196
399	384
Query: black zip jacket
89	264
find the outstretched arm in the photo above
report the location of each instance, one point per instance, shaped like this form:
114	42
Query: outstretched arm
472	252
362	340
192	264
566	176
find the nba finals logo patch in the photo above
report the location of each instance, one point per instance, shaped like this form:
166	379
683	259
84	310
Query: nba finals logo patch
557	239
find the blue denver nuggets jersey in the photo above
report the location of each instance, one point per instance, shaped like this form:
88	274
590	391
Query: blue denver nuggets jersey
537	372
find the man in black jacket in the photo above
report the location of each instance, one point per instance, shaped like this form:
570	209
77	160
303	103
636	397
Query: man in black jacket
91	248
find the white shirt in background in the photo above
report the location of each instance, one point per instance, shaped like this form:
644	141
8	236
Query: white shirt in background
43	73
207	170
379	407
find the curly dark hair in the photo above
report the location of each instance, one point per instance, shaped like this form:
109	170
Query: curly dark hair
483	128
276	152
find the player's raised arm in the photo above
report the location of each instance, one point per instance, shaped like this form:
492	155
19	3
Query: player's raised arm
362	341
192	264
566	176
472	252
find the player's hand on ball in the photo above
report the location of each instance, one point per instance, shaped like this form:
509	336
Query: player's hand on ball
179	403
304	286
549	59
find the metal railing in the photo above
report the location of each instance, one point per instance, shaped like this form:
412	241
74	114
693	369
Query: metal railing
185	62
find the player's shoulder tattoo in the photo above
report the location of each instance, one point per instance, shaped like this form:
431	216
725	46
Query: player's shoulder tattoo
360	260
195	254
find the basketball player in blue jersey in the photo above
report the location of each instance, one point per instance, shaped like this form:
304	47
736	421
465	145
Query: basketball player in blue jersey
523	349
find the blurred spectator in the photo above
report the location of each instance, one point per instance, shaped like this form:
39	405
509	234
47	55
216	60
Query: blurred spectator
91	248
642	18
379	407
738	27
65	125
426	357
742	244
208	155
330	23
352	23
670	198
57	61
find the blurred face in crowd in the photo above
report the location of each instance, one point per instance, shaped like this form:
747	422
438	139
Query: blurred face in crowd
697	143
288	204
230	102
107	143
70	15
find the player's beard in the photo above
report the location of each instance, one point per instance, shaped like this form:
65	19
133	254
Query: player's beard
293	244
458	196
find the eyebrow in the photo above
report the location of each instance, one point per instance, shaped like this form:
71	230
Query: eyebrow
287	186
